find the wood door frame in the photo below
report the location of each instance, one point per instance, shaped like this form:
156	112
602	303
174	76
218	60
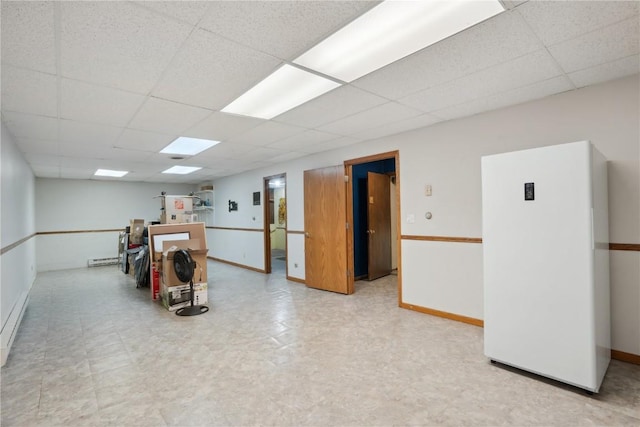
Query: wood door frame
348	167
267	229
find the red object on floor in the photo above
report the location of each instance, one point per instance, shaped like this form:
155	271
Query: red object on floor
155	283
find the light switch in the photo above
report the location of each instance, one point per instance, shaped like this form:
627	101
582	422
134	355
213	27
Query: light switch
427	190
411	218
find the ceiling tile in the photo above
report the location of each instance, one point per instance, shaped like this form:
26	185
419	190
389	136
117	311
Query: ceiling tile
29	91
343	101
158	177
210	71
168	117
336	143
97	104
509	75
38	146
499	39
103	152
188	11
512	97
28	35
288	156
510	4
420	121
159	161
31	126
557	21
73	132
380	115
117	44
225	150
222	126
262	154
266	133
42	159
604	72
303	141
46	171
71	172
611	43
284	29
132	139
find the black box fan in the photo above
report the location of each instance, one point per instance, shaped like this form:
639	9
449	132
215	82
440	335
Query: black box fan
184	267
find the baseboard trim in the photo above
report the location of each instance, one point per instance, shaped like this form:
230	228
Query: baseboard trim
295	279
444	314
625	357
10	328
615	354
235	264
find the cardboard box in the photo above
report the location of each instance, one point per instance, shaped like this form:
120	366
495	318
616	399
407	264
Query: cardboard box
176	209
136	229
161	233
199	255
131	269
175	297
178	218
174	293
206	187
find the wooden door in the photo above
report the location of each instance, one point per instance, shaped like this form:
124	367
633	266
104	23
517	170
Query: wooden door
379	224
325	221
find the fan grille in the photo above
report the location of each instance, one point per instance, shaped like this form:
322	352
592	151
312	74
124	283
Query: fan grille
183	265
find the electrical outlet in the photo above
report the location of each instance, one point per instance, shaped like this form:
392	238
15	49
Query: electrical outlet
427	190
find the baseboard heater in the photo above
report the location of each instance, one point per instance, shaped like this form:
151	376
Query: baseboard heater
99	262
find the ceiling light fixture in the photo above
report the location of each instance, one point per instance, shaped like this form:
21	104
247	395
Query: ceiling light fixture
111	173
391	31
282	90
181	170
188	146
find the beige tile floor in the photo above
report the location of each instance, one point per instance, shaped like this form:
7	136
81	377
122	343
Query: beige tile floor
93	350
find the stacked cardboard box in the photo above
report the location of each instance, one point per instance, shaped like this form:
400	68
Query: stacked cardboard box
174	293
136	230
177	210
164	241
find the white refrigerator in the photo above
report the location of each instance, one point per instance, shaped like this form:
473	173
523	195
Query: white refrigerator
546	262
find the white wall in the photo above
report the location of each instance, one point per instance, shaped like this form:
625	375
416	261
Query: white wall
65	205
448	276
17	267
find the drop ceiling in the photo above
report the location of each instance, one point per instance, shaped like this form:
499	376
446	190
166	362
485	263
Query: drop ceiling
97	84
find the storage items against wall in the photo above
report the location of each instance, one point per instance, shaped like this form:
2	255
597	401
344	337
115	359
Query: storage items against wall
546	262
203	206
164	240
176	209
136	230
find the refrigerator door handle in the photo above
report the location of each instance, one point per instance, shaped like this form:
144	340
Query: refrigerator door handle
593	233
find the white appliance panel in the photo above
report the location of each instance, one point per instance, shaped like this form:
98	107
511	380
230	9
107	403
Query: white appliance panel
538	262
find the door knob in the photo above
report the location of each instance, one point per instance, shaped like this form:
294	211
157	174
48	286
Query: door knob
306	234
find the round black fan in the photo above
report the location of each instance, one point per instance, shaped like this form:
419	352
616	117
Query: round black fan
184	267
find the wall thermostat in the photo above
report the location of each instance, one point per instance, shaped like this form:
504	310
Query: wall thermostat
529	193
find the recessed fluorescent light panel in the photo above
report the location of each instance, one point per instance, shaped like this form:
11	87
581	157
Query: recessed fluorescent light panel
188	146
281	91
107	172
181	170
391	31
